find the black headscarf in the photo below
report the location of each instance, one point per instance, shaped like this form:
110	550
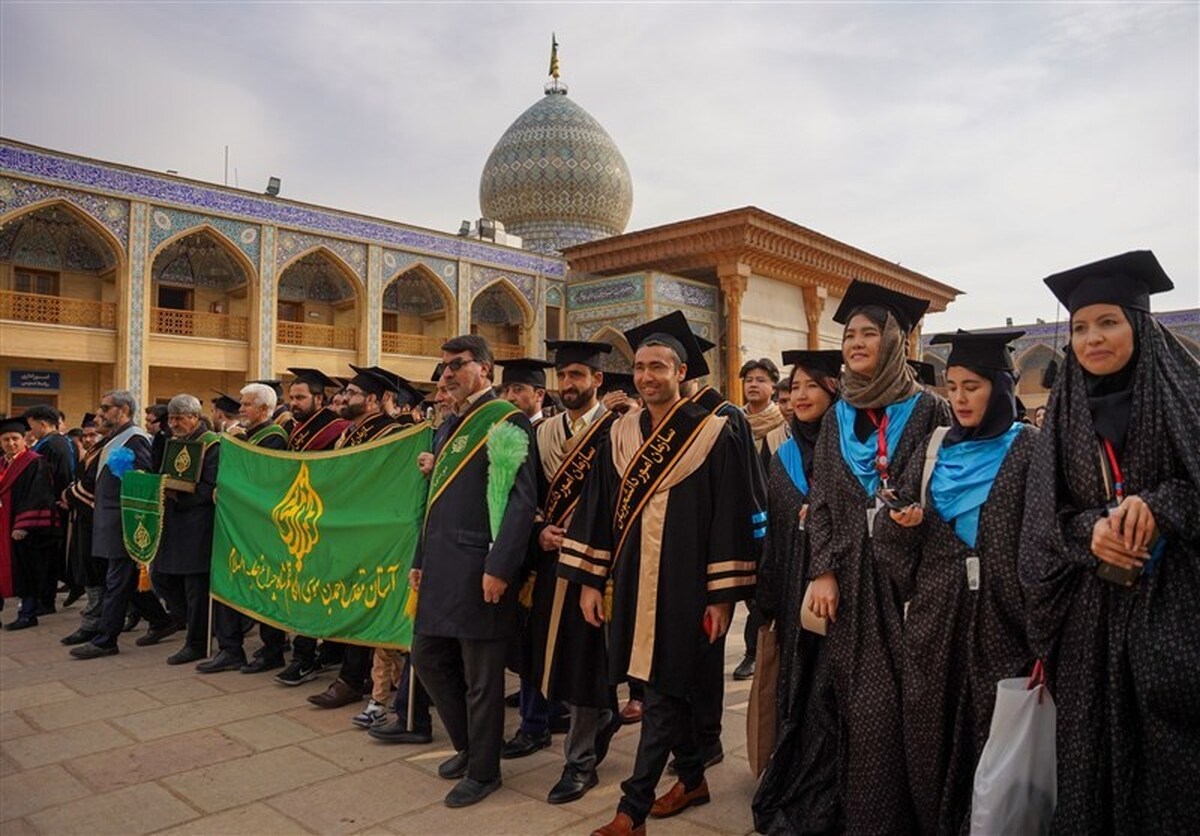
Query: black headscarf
1110	396
999	414
805	432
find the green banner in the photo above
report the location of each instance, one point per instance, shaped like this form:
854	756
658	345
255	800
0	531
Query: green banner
321	543
141	513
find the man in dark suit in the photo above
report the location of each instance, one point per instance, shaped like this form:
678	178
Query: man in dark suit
59	453
116	413
464	570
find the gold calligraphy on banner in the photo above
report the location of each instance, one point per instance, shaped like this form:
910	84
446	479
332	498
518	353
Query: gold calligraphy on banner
284	580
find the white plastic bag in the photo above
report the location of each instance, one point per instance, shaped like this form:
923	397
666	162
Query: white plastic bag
1016	782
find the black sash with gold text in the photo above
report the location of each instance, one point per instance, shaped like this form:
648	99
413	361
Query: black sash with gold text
319	432
377	426
709	399
567	485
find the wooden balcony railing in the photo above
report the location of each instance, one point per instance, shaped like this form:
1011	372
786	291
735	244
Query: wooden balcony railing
316	336
415	344
57	310
199	324
507	351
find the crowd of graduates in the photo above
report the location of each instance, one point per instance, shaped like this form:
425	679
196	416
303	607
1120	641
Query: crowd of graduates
900	550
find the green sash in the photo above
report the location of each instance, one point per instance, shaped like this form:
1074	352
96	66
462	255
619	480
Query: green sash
269	429
142	513
468	438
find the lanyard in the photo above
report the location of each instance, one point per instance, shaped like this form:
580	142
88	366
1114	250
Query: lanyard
881	446
1118	479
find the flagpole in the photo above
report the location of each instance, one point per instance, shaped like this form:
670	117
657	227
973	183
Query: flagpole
208	647
412	689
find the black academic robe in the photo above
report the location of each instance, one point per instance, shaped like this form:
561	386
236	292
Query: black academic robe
958	643
457	548
83	567
705	557
798	791
186	545
29	507
107	539
864	641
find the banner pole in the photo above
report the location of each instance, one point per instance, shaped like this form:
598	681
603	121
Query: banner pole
412	689
208	648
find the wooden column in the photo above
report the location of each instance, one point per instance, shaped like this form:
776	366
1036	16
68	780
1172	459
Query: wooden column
734	279
814	306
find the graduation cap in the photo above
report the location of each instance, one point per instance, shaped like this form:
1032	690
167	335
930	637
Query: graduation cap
567	352
370	381
228	405
404	391
316	379
277	385
528	370
925	372
907	310
618	382
437	373
987	352
673	330
16	424
825	363
89	420
1127	280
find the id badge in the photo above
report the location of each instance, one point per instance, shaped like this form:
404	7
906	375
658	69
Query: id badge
972	562
873	512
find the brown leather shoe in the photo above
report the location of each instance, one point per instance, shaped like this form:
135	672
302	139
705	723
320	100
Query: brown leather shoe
621	825
679	799
336	695
631	713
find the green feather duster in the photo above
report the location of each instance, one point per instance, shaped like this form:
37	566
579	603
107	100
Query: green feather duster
507	449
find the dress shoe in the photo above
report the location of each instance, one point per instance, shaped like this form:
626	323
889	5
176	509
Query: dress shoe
45	608
711	758
605	736
513	700
79	637
396	731
632	712
336	695
22	623
454	767
621	825
131	622
185	654
678	799
226	660
73	595
523	744
573	785
468	791
744	670
156	634
263	662
93	651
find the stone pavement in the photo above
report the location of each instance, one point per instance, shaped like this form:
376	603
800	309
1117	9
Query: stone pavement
127	744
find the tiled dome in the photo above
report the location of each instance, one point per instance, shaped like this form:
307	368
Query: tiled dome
556	178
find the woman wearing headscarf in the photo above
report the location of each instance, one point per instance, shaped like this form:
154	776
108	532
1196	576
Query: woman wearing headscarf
867	441
1110	557
953	553
798	790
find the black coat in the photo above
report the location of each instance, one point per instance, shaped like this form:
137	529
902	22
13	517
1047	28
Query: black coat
106	517
186	547
456	549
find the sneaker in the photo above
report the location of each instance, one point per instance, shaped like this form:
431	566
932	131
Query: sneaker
296	673
367	716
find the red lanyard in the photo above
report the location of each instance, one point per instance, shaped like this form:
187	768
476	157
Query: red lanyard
881	460
1118	479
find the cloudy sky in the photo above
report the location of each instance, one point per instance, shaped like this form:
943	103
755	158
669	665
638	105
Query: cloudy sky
984	145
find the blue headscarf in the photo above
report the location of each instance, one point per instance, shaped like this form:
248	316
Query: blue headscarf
860	455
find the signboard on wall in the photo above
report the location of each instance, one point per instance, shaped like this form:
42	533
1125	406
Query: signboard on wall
33	380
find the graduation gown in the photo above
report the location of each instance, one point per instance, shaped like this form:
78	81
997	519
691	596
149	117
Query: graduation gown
690	548
958	643
186	545
864	642
798	790
26	503
83	569
1123	663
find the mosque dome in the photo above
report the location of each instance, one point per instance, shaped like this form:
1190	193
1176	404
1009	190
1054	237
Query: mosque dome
556	178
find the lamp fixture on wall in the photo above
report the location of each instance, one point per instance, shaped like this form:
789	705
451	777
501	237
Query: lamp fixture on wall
273	187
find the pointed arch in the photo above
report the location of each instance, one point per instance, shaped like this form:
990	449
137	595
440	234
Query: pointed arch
417	332
509	339
249	270
339	263
620	359
1030	365
105	234
505	284
178	313
331	328
429	277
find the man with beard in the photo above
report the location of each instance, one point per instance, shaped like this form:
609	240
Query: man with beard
363	408
59	453
254	415
117	409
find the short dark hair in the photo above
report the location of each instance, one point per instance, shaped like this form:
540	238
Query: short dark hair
651	342
478	347
43	412
316	390
159	411
75	432
763	364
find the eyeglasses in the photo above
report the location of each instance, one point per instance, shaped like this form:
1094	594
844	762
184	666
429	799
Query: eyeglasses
455	365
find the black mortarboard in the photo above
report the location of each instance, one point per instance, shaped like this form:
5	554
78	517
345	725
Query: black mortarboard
826	363
228	405
528	370
16	424
341	382
277	385
315	378
370	381
986	352
925	372
673	330
437	373
567	352
705	345
404	391
89	420
907	310
618	381
1127	280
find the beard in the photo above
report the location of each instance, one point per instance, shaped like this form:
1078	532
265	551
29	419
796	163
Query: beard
574	399
353	410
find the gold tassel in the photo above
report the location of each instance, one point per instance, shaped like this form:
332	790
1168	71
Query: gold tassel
608	602
144	584
410	606
526	596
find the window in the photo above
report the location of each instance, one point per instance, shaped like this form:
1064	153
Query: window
33	281
174	298
553	322
391	323
21	401
291	312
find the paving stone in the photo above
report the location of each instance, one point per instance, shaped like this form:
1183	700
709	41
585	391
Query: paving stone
143	762
28	792
97	678
65	744
12	726
270	732
353	802
504	811
676	826
604	796
179	691
16	699
139	809
19	827
59	715
354	751
324	721
732	787
231	784
251	820
161	722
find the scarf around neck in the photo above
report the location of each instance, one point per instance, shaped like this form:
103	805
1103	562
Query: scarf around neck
962	479
860	455
763	422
